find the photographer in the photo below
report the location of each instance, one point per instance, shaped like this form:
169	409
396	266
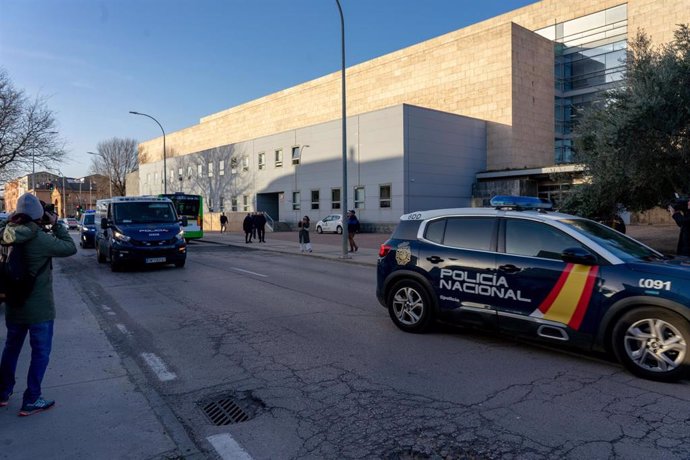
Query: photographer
28	225
681	214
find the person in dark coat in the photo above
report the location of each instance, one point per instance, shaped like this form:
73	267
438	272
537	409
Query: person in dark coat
304	241
247	226
682	218
260	223
254	225
352	229
223	223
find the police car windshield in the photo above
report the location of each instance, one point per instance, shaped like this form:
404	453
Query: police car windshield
144	213
622	246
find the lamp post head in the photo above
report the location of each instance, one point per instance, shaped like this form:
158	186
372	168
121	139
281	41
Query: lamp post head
134	113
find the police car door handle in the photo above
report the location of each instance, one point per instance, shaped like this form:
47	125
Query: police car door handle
434	259
509	268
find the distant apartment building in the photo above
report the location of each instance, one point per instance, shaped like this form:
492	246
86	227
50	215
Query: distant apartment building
447	122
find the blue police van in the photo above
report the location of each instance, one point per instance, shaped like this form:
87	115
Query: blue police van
521	269
139	230
87	229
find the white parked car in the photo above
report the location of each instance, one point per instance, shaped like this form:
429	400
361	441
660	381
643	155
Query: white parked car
330	223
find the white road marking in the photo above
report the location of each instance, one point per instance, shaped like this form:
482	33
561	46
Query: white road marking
227	447
247	271
122	328
158	367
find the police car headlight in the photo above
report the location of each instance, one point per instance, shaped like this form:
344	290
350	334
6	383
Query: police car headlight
180	235
121	237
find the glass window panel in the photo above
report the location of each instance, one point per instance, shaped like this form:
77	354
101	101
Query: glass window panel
535	239
617	14
470	233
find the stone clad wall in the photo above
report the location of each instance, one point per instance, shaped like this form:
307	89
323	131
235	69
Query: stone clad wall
491	70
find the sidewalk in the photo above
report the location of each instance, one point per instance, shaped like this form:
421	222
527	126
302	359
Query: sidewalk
326	246
100	412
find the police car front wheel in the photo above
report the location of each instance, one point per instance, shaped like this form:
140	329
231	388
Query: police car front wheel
409	306
653	343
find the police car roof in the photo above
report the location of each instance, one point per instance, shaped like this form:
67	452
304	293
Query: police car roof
478	212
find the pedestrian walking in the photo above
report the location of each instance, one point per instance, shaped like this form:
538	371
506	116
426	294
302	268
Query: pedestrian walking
247	226
304	241
681	215
29	226
223	223
261	227
352	229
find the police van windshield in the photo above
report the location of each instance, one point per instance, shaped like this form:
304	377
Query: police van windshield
143	213
622	246
89	219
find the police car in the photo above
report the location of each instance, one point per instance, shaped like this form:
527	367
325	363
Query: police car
521	269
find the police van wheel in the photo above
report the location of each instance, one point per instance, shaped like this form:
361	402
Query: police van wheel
653	343
409	306
179	263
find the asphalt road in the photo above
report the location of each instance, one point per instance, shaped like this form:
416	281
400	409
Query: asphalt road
301	345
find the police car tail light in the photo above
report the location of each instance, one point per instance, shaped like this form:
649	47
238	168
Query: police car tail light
384	250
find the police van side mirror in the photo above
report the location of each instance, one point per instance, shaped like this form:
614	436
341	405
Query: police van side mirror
183	221
104	223
578	256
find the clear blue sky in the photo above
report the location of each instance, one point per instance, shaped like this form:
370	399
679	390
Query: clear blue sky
180	60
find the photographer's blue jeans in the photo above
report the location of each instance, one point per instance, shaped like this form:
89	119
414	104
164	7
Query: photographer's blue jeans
41	339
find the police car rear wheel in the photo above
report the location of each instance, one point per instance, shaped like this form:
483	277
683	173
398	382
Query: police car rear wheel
409	306
653	343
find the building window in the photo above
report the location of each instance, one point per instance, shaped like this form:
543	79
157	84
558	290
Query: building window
359	197
295	201
221	168
335	198
262	160
155	178
148	178
279	158
210	169
315	199
385	196
189	172
210	204
245	202
245	163
295	155
233	165
233	203
199	170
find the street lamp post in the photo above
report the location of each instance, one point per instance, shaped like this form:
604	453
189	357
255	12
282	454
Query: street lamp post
110	173
165	171
344	192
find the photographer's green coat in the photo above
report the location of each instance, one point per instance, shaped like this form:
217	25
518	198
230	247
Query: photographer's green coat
40	246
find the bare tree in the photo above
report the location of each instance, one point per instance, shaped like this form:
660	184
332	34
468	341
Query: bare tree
28	135
211	175
116	158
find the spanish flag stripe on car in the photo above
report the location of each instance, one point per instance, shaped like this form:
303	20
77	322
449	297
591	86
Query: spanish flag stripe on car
568	300
582	305
546	304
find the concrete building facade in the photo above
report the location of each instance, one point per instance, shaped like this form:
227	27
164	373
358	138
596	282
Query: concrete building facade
523	73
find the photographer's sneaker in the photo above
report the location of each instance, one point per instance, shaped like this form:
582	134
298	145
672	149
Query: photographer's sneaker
37	406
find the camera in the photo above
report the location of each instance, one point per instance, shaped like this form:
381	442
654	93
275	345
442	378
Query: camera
48	208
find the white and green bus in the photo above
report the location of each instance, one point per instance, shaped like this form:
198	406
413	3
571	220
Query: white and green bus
191	207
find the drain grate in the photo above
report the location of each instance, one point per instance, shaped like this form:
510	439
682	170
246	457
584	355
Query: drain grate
224	412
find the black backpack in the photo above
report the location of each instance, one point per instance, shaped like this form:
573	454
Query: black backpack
16	281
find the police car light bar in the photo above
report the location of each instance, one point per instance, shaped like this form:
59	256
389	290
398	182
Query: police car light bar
521	202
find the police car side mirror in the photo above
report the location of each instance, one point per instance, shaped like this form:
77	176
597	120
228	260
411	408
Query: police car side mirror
183	221
578	256
104	223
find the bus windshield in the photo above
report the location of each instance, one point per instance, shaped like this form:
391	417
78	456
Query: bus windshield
144	213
